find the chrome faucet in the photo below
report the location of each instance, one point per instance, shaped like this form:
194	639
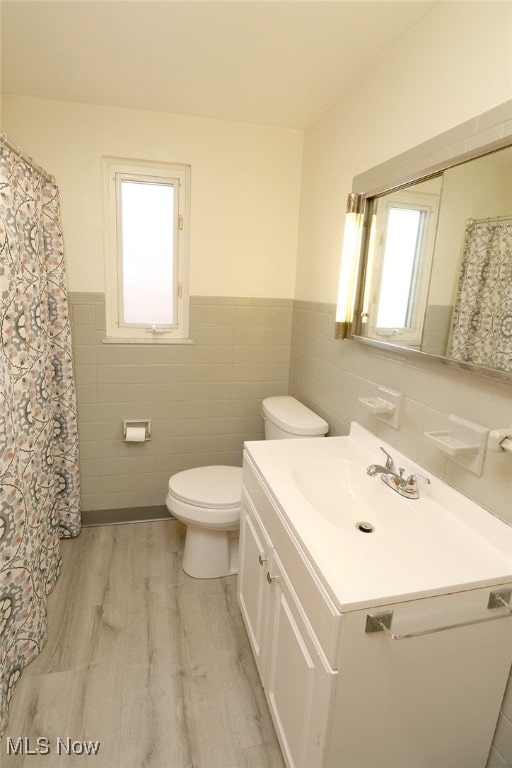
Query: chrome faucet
405	486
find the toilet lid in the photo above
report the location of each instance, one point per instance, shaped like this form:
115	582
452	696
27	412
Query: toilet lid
293	417
214	487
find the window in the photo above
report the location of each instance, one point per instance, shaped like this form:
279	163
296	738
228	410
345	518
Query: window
405	232
146	251
399	279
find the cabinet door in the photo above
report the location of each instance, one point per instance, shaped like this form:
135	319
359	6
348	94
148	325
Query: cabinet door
298	680
253	592
428	700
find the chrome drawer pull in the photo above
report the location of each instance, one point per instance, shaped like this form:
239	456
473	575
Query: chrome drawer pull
262	560
381	622
270	578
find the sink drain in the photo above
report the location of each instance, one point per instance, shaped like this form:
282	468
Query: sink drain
365	527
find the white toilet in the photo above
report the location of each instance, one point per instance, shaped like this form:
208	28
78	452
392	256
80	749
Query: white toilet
208	499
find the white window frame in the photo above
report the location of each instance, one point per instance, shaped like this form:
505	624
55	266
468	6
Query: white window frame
429	204
116	170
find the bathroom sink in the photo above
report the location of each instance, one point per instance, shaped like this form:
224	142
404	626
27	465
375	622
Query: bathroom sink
341	491
440	542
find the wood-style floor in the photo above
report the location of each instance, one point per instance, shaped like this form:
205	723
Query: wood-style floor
153	664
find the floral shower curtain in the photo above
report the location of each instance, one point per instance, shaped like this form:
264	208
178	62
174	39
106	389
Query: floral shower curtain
39	480
482	326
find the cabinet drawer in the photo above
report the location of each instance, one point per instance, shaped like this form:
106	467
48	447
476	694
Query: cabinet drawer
323	615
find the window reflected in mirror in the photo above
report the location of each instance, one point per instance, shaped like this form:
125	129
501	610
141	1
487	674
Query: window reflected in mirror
405	223
439	264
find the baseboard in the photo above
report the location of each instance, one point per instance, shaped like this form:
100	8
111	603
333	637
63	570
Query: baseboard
93	517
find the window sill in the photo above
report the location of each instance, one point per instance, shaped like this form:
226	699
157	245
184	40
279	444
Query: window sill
151	340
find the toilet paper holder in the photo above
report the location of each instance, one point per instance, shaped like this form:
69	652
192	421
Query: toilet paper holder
137	424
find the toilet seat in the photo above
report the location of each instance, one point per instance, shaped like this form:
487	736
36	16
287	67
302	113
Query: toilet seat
209	501
217	487
207	496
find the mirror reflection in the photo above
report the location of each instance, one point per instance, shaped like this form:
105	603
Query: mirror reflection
439	264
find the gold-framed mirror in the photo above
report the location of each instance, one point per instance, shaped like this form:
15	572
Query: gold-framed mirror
436	263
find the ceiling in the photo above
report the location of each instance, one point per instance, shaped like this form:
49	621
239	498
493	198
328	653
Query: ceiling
261	61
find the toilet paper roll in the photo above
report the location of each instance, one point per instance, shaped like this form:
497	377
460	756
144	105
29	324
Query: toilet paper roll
135	434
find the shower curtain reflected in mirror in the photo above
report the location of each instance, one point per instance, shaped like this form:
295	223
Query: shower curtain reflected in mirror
39	478
482	324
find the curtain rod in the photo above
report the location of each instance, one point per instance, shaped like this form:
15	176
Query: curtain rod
5	142
487	220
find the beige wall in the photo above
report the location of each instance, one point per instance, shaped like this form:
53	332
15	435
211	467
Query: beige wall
454	64
1	64
245	188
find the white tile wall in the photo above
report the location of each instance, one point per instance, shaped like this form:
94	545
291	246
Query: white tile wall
331	376
204	399
502	746
488	131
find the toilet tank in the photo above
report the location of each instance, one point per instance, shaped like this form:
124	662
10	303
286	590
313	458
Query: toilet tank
285	417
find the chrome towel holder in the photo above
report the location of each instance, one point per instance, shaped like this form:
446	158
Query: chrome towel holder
381	622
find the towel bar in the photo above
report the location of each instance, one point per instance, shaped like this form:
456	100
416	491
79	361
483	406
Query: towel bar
381	622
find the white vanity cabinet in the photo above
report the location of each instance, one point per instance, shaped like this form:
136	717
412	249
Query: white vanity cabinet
253	591
343	697
299	681
280	597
